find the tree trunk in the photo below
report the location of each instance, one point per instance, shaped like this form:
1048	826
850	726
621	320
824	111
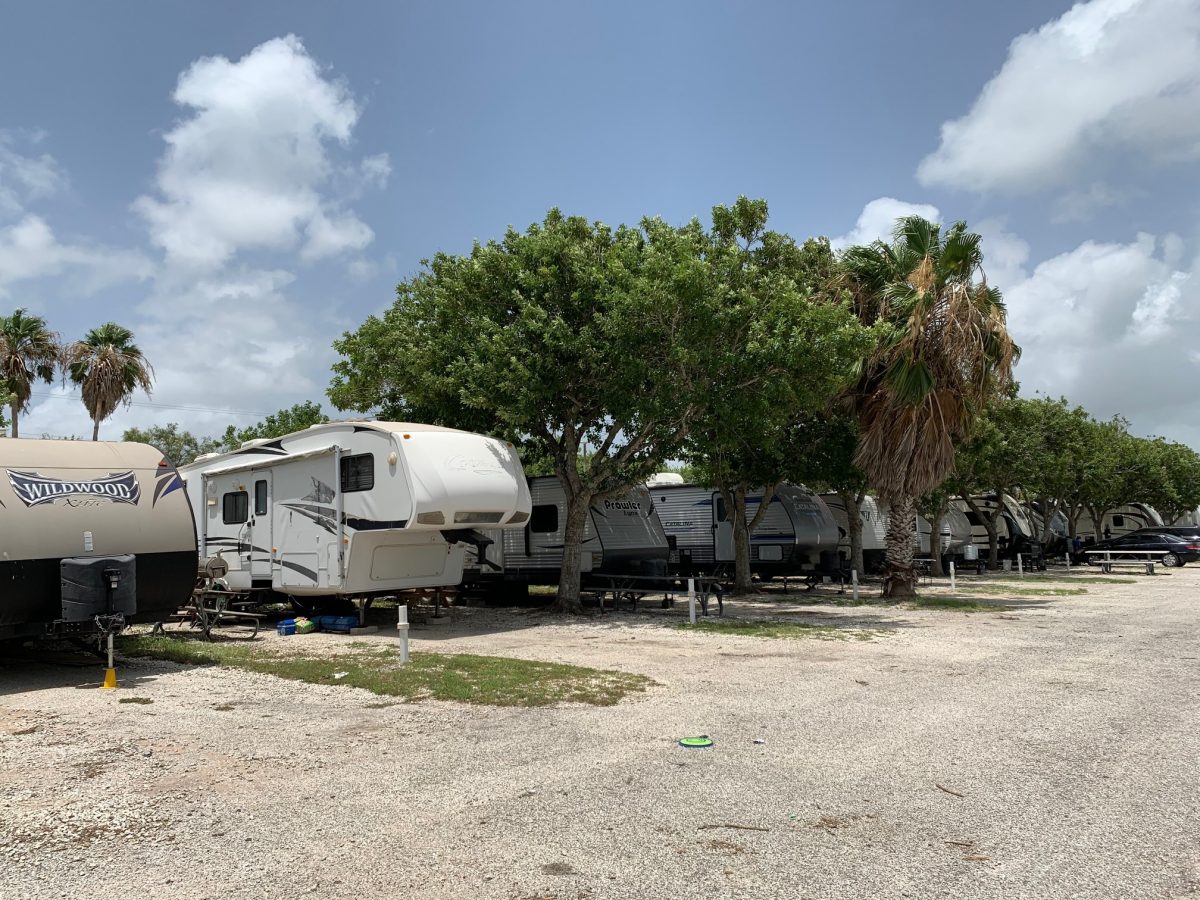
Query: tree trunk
935	542
570	576
14	419
96	430
899	581
1049	508
743	580
852	501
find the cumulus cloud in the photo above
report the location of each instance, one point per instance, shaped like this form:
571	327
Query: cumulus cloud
1108	325
878	218
1108	76
246	169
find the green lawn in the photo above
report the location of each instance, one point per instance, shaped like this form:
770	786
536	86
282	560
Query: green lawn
466	678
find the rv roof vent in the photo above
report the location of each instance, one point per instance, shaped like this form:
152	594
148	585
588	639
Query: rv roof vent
659	479
206	456
253	442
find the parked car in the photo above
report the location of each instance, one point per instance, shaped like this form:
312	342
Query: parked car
1189	533
1176	550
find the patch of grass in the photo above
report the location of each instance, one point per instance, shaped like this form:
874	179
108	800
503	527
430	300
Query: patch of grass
958	604
141	700
769	629
1021	591
462	677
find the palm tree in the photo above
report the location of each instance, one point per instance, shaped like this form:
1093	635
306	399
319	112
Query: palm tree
944	352
29	351
109	367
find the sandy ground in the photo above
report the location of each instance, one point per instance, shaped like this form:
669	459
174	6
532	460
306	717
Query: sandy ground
1050	750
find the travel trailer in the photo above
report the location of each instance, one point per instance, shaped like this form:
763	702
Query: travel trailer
1119	521
93	536
354	509
956	534
874	529
955	529
622	536
794	534
1013	527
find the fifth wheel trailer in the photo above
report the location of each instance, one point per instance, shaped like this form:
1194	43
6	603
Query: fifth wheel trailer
354	509
93	535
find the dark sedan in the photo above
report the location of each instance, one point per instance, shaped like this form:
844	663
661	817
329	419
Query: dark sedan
1190	533
1175	550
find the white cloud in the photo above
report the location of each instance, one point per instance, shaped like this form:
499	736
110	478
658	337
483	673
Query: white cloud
29	249
878	218
25	177
1109	325
1107	76
246	170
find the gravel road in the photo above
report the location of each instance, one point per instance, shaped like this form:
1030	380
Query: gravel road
1047	751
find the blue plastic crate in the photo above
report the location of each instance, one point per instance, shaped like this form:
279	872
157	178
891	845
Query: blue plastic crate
285	628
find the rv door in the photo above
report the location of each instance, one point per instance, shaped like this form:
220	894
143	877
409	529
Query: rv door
722	530
258	528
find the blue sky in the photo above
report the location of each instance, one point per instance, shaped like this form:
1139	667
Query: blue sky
240	183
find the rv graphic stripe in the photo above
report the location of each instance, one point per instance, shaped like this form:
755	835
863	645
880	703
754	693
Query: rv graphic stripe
34	489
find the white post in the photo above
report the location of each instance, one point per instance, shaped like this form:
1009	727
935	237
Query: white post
692	600
1068	559
951	574
1020	566
854	583
402	630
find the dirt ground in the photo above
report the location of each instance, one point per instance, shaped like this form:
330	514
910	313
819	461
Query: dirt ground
1045	749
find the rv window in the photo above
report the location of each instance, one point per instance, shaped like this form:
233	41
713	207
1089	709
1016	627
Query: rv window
236	507
260	498
544	519
721	516
1118	521
358	473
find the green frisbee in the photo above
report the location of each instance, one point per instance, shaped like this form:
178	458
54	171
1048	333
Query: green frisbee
696	743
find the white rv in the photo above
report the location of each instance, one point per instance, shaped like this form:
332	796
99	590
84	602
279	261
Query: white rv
1119	521
791	538
623	535
955	529
956	533
354	509
92	535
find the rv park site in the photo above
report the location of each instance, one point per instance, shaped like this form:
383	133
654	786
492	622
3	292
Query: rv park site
1015	737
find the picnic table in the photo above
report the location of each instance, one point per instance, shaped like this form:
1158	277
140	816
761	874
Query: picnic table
634	588
1132	558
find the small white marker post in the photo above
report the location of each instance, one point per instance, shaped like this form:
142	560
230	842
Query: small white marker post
1020	566
692	600
402	631
854	584
951	574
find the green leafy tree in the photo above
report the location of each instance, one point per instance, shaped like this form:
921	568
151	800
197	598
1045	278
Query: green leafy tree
29	352
788	346
571	337
825	462
180	447
1177	491
285	421
108	366
943	354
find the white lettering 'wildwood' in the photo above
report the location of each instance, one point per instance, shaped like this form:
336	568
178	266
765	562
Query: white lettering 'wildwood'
33	489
